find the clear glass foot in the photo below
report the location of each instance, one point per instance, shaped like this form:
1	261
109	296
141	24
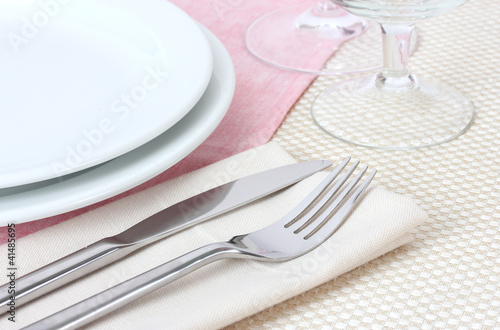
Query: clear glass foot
359	111
302	38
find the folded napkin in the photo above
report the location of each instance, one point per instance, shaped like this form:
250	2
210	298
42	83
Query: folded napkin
225	291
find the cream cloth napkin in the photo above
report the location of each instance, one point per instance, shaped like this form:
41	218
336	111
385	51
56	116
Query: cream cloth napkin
225	291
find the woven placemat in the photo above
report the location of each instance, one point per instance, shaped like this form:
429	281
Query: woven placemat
450	275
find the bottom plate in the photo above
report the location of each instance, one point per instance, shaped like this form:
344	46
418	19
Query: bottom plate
52	197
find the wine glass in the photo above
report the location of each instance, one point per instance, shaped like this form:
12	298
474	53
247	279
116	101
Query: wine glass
302	38
394	109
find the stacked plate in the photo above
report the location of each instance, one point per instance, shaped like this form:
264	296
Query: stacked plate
98	96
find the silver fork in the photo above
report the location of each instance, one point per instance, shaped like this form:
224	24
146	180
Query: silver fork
301	230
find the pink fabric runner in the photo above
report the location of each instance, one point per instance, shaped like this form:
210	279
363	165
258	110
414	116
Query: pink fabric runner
262	98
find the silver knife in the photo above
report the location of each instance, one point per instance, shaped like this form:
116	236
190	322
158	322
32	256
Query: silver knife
160	225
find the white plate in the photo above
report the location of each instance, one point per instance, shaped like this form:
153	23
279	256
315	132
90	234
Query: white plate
43	199
89	80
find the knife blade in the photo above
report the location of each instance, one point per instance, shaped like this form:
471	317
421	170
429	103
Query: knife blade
160	225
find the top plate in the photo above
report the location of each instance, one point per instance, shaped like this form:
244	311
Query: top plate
86	81
47	198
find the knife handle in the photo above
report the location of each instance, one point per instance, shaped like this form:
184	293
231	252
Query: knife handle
62	271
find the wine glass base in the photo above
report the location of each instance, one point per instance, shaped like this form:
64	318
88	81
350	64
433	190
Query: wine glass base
358	112
293	39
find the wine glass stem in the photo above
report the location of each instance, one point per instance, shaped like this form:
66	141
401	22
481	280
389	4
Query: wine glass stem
395	75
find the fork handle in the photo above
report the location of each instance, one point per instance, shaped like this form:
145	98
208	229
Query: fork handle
119	295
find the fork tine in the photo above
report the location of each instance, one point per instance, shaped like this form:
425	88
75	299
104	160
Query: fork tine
318	220
292	216
299	224
326	227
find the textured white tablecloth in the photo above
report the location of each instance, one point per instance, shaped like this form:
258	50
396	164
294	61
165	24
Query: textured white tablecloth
450	276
